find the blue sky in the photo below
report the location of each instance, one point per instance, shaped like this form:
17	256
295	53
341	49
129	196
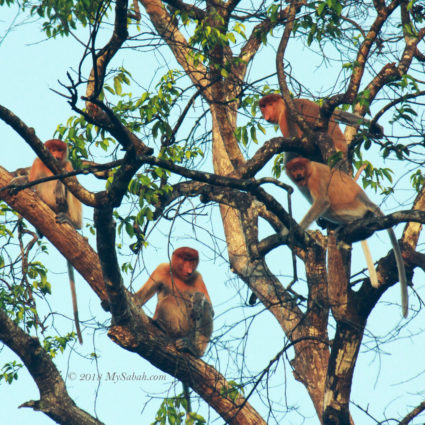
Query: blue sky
30	67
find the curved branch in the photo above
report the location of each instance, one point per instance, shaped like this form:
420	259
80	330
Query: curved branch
273	147
249	185
28	134
411	415
383	13
102	59
362	229
54	401
190	9
255	40
388	106
285	92
169	32
203	378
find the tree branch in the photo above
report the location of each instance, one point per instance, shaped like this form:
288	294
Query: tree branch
54	401
362	229
28	134
64	237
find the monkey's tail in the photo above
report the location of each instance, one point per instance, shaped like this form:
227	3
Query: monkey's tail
187	397
74	300
370	266
401	272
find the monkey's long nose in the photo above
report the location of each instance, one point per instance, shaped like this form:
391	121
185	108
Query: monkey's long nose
189	272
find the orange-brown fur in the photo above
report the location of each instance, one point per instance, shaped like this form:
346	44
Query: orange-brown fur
178	285
67	207
274	110
335	196
48	191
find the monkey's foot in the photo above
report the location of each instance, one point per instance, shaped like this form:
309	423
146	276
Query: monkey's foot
184	344
181	344
62	218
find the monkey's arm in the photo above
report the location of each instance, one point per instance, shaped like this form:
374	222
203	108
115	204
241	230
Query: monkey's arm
283	124
34	173
317	209
316	192
60	196
152	285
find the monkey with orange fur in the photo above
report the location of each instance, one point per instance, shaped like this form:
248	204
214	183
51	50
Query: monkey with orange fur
183	311
335	196
67	207
274	110
54	193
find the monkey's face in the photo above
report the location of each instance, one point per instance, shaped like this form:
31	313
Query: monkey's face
58	154
297	175
183	268
269	111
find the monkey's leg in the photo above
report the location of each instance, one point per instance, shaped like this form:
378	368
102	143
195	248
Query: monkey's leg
74	300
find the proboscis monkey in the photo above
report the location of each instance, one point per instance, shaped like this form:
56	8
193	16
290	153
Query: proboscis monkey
335	196
67	207
183	311
274	110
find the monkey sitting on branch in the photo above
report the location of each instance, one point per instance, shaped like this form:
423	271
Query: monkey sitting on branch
274	110
67	207
184	310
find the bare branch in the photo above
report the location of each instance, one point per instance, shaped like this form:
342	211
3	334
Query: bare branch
54	401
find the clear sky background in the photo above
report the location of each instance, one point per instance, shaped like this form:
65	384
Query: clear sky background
30	67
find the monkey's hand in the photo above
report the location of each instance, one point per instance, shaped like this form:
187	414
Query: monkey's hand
16	182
